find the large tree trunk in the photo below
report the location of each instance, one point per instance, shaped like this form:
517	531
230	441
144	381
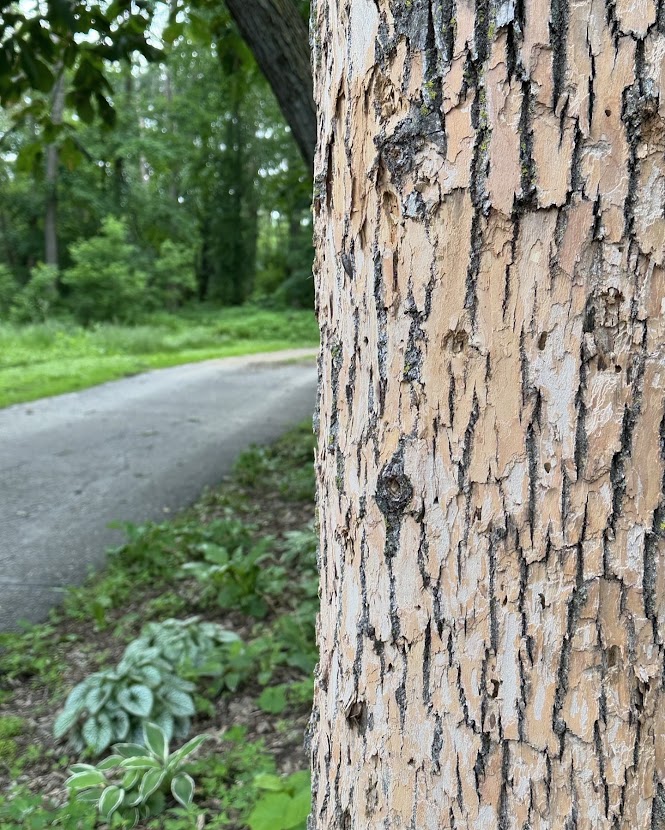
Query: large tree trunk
489	190
51	253
277	36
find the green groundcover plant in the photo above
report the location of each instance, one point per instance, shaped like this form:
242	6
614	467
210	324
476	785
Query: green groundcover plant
135	782
114	704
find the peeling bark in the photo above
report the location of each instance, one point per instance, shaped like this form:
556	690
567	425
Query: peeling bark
490	231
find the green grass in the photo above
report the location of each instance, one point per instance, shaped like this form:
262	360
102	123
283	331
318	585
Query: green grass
56	357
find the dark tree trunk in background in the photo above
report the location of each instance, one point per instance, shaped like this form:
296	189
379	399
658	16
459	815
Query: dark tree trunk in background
52	164
278	38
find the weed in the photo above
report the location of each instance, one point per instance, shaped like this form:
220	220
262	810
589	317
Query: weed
10	728
284	803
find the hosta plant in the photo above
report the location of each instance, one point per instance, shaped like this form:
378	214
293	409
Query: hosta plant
136	782
187	642
146	685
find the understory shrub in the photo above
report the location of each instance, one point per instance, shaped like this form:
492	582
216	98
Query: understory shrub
38	298
173	276
146	685
8	289
105	282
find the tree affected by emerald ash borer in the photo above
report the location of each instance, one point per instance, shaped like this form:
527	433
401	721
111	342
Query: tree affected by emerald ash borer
489	192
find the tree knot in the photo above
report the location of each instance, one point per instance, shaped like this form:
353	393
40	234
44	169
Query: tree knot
394	491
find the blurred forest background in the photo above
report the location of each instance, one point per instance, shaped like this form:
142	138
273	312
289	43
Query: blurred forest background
172	182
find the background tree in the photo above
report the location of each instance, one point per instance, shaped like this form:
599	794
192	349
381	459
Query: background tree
489	190
199	154
284	59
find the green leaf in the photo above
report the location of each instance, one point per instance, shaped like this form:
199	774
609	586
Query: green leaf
84	780
77	695
76	768
119	723
150	782
137	700
232	680
268	781
83	105
273	699
151	676
141	762
130	778
155	740
29	157
182	788
109	763
97	733
71	156
87	796
165	722
298	810
40	76
180	704
156	804
96	698
269	812
188	748
128	750
111	799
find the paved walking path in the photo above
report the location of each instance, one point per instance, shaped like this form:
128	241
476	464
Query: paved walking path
129	450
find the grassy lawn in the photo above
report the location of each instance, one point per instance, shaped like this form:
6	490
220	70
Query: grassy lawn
56	357
252	697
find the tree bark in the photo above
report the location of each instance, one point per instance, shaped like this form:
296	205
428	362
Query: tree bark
489	191
278	38
51	255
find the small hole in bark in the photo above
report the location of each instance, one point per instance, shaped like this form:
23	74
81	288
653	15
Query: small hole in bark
613	655
541	597
608	112
494	688
457	340
542	340
617	369
505	602
411	762
492	721
366	339
547	466
356	714
478	514
393	486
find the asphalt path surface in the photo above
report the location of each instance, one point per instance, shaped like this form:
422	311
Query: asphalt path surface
133	450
